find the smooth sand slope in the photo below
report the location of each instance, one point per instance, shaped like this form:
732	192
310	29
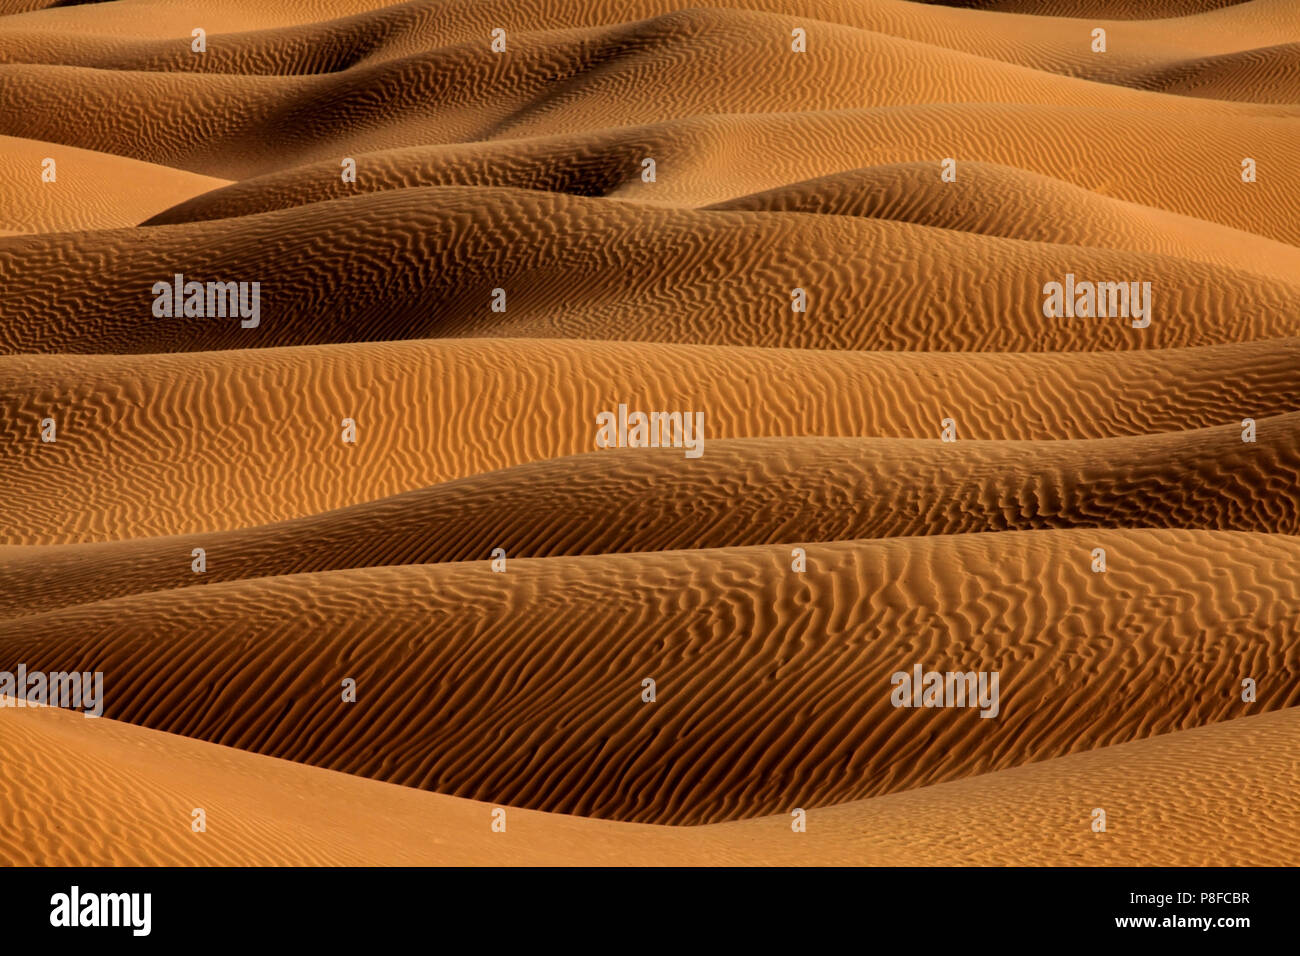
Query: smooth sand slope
88	191
773	686
505	267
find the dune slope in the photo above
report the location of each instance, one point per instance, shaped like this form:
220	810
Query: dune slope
744	492
1181	798
772	685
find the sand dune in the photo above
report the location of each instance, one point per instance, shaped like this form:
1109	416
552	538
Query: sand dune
1182	798
1271	74
744	492
578	79
89	191
838	255
176	438
1002	201
713	159
1036	41
563	81
620	72
424	263
773	686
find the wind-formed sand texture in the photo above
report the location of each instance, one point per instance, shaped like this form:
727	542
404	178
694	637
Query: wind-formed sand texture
575	433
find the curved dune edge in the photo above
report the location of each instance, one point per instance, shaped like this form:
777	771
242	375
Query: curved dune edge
126	796
571	80
998	200
987	198
424	262
1271	74
743	492
270	420
525	687
90	190
715	159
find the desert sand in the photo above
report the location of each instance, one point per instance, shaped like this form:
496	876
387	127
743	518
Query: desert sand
390	476
126	796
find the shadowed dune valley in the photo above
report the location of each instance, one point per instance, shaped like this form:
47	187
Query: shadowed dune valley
753	433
